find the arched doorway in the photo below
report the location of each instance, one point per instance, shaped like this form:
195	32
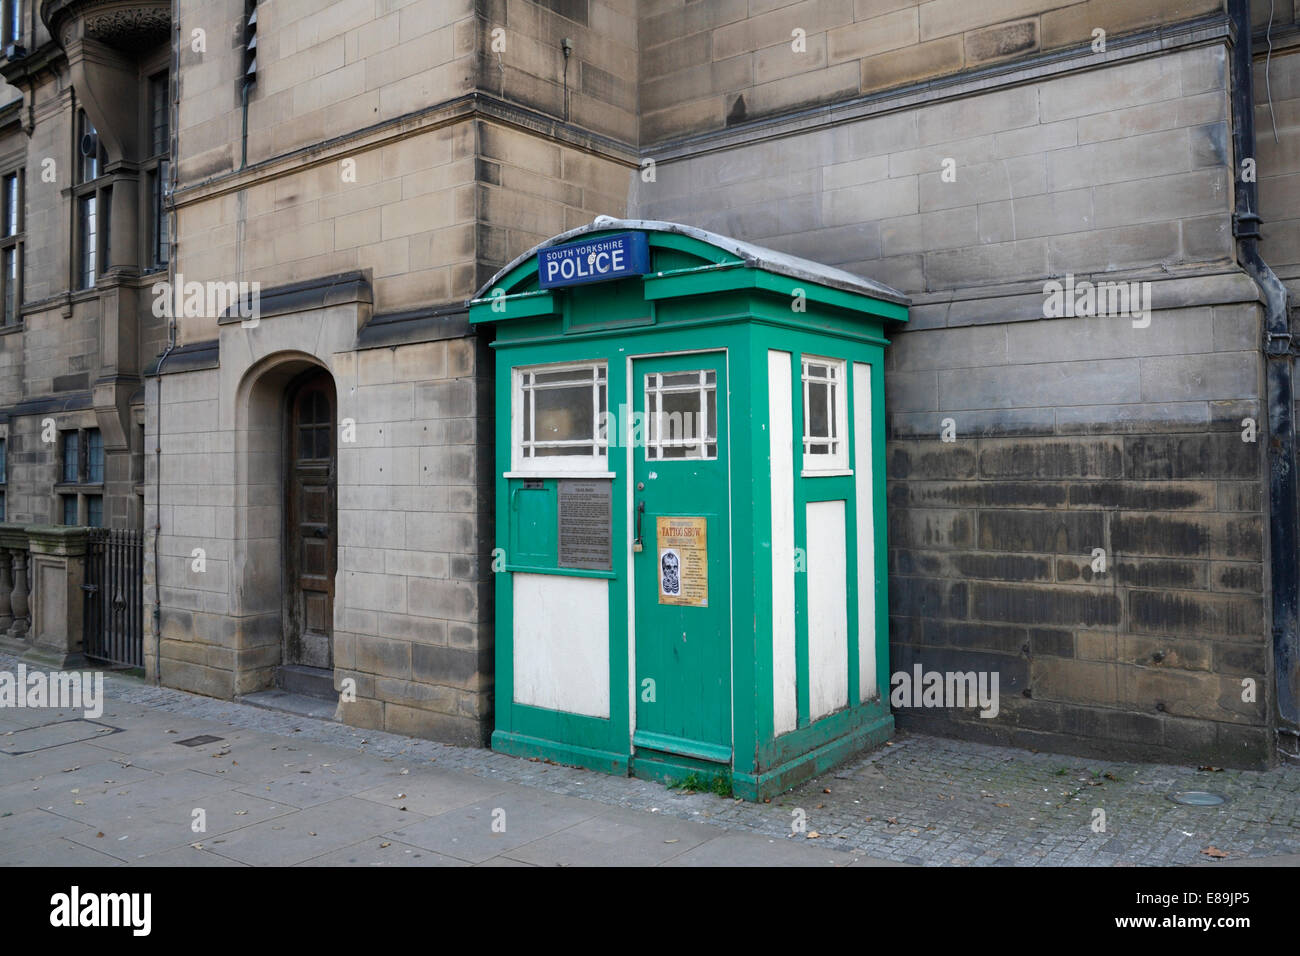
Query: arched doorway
310	520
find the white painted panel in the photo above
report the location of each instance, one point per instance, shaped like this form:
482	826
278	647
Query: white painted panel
828	615
561	643
780	411
863	480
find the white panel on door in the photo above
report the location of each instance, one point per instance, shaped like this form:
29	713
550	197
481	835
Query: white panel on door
781	448
863	481
828	618
561	643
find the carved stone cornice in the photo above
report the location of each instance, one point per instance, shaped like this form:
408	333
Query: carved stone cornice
127	25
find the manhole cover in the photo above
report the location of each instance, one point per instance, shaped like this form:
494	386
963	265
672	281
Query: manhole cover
1198	798
199	741
57	733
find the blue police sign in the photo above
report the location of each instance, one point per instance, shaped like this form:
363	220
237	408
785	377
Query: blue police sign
594	260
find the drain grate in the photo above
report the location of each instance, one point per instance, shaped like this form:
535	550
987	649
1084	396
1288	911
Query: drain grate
199	741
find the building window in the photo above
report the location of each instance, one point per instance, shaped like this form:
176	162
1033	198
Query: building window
4	456
88	236
71	458
93	198
158	169
681	415
13	21
82	467
11	244
560	416
94	456
825	430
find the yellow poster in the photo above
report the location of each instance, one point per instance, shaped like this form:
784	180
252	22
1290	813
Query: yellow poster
683	561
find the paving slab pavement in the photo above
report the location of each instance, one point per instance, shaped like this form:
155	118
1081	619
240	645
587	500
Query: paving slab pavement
132	787
290	789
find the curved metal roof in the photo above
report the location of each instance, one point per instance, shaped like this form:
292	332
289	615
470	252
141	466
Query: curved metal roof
753	256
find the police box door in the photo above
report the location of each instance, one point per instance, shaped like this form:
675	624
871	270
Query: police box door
681	572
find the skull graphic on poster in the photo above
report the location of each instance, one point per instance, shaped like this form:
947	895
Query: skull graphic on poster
669	565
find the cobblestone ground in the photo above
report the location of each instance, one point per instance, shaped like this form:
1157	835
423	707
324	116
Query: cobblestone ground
921	800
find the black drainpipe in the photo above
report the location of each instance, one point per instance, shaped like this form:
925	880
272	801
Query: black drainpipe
1283	536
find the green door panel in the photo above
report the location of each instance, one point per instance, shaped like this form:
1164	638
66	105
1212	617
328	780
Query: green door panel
682	575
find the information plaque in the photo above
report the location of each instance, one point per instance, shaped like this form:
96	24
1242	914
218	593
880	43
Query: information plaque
585	525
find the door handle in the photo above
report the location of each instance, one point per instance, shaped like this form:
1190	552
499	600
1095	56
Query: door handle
637	546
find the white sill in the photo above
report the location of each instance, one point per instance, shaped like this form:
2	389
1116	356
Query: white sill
825	472
558	473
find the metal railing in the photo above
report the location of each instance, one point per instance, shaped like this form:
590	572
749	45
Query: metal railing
113	619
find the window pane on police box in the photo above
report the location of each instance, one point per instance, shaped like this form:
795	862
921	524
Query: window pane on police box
681	418
815	413
564	413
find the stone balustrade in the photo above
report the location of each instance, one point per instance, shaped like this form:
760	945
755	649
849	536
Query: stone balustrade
42	569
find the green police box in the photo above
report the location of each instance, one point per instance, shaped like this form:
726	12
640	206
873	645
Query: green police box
690	507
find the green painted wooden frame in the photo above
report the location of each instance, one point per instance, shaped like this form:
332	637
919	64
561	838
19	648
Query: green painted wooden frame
697	297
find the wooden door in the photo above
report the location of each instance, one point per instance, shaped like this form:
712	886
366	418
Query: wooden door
311	522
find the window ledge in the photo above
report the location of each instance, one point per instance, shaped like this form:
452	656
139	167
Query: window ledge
825	472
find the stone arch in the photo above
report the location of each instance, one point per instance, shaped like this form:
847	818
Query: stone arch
258	585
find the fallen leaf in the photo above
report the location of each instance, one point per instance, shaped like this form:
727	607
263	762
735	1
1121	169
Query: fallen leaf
99	835
1001	804
893	820
80	803
384	845
311	832
826	790
241	813
1215	852
673	840
1211	769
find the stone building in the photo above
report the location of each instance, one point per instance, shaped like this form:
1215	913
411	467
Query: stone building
1099	507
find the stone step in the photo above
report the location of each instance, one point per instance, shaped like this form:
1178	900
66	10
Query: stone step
309	681
301	704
